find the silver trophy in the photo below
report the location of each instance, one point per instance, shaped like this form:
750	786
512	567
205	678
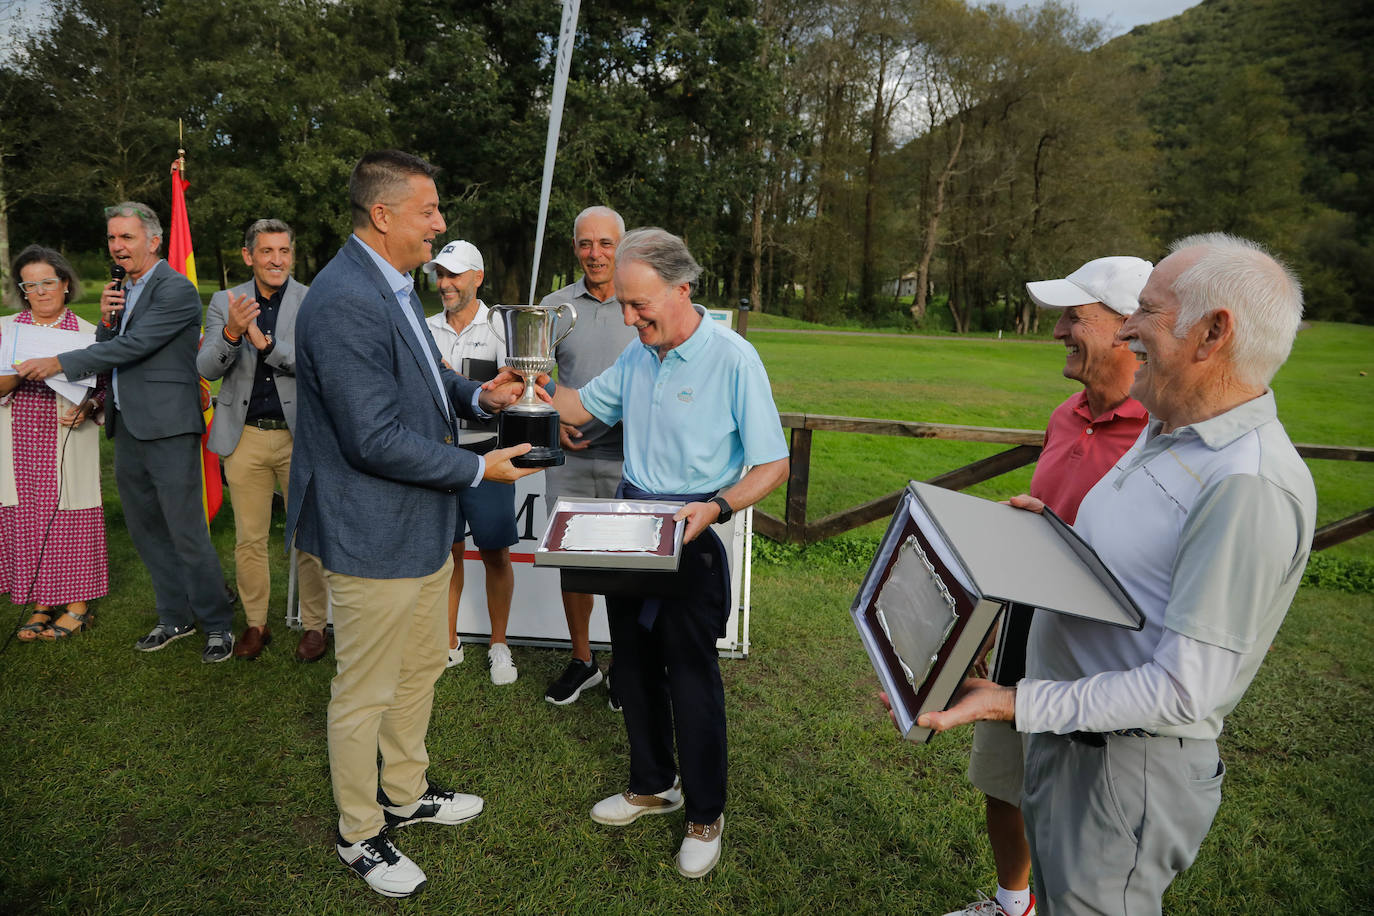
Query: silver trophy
528	331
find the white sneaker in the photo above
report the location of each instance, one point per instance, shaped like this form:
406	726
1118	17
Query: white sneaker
436	805
622	809
987	906
455	656
502	668
384	867
700	850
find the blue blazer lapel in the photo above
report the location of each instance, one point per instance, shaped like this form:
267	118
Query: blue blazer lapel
399	321
154	278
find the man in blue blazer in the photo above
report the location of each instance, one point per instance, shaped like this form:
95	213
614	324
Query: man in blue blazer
148	336
375	476
250	342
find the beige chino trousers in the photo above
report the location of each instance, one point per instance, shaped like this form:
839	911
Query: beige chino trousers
390	646
258	465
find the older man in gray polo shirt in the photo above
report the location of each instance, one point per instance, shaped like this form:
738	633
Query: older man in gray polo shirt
594	450
1122	772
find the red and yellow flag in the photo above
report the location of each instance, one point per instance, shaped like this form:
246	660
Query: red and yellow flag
183	261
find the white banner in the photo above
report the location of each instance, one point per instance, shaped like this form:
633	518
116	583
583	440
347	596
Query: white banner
537	607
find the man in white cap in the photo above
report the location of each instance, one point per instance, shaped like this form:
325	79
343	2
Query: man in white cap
469	347
1207	523
1085	436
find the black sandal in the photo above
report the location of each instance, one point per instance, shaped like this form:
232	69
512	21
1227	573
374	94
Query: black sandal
57	631
34	626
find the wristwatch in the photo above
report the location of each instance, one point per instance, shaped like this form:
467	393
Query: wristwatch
725	510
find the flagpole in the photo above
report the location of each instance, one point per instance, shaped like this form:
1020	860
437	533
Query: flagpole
566	36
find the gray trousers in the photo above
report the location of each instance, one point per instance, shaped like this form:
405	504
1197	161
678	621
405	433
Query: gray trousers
160	490
1109	827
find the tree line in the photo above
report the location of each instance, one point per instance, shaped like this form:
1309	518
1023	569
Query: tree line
891	162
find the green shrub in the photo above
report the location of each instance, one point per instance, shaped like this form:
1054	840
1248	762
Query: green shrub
1342	574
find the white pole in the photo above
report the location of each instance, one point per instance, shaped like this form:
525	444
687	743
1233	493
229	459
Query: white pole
566	35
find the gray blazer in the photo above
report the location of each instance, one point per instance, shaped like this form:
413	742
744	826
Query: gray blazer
375	465
159	390
236	363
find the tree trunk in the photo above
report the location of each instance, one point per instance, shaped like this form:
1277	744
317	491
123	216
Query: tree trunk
10	298
868	267
919	304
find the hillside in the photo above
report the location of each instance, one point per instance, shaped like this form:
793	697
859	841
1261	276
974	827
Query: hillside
1262	111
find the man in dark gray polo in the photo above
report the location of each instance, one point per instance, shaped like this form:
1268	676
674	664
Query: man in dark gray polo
594	450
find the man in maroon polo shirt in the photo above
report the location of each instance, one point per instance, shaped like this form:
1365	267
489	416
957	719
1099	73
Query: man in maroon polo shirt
1083	439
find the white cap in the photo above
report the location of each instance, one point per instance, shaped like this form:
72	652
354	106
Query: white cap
457	257
1115	282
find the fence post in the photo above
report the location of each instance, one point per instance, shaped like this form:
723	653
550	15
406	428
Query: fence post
798	480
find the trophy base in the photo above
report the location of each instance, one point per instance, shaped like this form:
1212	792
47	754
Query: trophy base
539	458
540	429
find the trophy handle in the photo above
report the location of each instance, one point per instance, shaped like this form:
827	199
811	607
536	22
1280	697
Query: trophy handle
491	315
570	307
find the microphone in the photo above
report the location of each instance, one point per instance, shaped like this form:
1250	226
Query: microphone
117	274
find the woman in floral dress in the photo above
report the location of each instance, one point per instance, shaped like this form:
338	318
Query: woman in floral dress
52	527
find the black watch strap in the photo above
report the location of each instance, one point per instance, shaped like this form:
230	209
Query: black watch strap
725	510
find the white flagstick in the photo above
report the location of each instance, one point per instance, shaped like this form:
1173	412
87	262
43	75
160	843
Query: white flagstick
566	35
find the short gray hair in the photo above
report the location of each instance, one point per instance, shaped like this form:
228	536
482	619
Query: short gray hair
144	213
250	238
1262	294
662	252
598	211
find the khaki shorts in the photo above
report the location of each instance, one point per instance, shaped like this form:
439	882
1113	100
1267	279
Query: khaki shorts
997	763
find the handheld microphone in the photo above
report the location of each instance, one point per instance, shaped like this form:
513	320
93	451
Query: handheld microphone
117	274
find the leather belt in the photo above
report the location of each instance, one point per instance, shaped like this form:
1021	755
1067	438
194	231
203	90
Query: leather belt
1099	739
264	423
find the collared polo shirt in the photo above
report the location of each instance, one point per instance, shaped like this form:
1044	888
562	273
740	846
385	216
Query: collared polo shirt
595	341
1208	528
1080	448
694	419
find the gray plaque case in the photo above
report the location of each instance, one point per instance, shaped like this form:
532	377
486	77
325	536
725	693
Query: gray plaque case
947	566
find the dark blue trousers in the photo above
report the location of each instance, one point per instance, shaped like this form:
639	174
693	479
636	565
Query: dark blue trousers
667	678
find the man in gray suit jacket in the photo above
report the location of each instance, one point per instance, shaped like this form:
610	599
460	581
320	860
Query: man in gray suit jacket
147	336
374	494
250	342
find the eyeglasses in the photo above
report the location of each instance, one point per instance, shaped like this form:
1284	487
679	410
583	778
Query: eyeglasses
50	283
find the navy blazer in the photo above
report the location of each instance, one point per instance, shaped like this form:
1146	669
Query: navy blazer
159	388
375	468
237	363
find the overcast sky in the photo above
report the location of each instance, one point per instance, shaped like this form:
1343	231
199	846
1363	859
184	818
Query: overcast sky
1121	16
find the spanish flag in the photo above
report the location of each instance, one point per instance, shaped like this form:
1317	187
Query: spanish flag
183	261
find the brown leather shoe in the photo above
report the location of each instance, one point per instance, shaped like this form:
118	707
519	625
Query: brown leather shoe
252	642
311	647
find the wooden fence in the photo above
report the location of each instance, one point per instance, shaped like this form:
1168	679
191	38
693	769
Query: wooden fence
1026	443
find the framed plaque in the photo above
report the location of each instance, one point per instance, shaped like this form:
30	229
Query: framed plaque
947	567
622	534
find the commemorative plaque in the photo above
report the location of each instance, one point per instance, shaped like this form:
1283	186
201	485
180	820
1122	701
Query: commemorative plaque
945	571
612	534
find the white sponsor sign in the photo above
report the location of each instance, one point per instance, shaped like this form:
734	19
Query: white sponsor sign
537	608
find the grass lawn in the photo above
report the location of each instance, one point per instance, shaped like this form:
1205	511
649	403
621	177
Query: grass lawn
1322	399
154	784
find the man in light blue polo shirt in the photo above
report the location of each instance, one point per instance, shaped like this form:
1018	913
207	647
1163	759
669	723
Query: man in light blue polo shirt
697	410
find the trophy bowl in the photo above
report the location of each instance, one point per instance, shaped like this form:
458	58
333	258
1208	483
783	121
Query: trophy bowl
528	332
